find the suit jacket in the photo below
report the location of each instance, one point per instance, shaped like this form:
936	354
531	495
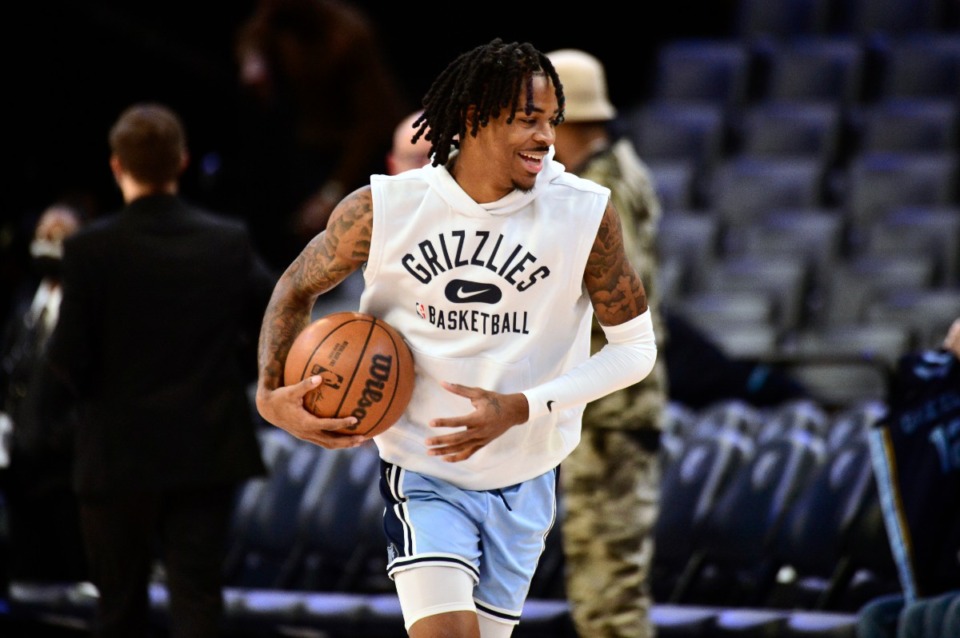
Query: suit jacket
39	438
159	302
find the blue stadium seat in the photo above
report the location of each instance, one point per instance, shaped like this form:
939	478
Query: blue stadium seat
262	543
926	313
691	239
675	183
919	230
784	279
732	563
744	188
881	182
923	65
330	549
856	283
828	69
866	18
781	19
704	71
791	129
814	235
675	135
811	542
690	488
908	125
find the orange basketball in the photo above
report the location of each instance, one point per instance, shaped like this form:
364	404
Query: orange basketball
366	365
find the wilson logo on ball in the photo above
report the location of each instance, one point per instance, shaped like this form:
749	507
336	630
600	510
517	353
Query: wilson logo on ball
379	371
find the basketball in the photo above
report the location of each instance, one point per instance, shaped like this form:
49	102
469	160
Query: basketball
366	366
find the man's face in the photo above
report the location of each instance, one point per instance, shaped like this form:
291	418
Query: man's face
514	152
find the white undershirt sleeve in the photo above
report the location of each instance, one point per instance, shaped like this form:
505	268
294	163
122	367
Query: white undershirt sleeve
627	357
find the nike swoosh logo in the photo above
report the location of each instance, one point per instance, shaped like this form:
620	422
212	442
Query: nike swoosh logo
549	406
465	291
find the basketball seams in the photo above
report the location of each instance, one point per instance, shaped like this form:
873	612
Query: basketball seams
360	362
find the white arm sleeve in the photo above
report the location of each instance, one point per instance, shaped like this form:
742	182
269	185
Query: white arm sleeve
627	357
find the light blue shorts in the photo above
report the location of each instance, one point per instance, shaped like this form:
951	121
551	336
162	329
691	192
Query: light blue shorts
497	536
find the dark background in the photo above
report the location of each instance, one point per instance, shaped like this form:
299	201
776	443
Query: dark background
74	65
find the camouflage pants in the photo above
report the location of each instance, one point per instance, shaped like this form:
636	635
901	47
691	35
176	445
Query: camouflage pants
610	491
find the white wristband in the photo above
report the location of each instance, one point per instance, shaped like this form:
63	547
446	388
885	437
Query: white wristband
627	357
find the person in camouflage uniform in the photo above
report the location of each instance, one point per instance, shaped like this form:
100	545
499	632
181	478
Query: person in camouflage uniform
611	482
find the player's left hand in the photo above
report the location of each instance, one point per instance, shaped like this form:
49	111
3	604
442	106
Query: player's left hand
493	414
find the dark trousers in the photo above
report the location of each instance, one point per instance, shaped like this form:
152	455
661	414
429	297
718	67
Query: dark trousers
186	529
43	524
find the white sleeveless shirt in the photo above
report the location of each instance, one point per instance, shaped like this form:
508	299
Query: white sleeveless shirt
486	295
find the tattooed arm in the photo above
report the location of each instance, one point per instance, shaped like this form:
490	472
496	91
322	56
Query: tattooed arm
326	261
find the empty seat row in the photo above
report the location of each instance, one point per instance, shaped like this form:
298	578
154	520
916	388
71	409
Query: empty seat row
764	19
868	184
835	427
779	521
806	101
785	294
730	73
819	237
312	524
295	568
809	268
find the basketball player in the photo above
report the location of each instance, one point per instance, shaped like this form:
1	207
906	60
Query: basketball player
488	260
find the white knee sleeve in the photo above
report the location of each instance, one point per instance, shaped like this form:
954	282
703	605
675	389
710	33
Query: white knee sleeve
490	628
426	591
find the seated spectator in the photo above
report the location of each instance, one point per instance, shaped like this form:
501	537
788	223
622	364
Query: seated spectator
915	438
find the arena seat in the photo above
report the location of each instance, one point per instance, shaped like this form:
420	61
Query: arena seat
732	563
690	488
810	543
262	544
329	550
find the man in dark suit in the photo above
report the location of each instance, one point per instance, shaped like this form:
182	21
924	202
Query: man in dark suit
159	302
36	453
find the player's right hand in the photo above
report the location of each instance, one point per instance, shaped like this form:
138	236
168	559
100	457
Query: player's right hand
283	407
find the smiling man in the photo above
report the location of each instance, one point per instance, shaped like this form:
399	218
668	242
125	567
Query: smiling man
491	261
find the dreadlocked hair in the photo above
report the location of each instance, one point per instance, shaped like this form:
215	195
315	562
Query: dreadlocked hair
489	78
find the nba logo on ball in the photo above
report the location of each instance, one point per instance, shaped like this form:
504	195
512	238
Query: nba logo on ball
366	367
330	378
